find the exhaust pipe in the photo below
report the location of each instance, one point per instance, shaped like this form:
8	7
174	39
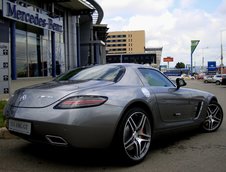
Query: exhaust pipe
56	140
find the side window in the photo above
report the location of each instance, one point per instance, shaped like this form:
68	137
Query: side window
155	78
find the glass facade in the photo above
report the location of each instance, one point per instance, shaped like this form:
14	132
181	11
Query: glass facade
36	27
34	46
33	52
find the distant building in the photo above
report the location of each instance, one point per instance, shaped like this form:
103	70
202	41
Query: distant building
126	42
129	47
157	51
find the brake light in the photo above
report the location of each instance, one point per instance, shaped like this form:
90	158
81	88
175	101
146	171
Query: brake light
81	102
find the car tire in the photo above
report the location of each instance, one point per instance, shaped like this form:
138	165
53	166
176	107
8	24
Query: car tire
213	118
218	82
134	136
205	81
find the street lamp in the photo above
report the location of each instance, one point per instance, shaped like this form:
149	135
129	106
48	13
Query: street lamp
203	57
222	56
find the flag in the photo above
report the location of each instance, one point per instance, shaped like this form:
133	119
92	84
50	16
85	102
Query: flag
194	44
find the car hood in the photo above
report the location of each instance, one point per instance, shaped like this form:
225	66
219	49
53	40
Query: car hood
45	94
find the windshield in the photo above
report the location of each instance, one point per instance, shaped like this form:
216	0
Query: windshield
102	72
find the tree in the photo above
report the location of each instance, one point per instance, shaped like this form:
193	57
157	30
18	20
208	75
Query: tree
180	65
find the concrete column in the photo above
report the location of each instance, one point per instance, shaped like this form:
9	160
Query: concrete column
13	50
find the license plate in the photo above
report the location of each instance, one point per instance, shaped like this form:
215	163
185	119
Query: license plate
20	126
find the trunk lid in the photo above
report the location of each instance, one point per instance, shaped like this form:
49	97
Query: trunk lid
42	95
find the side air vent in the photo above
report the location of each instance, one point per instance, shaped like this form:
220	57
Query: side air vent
199	109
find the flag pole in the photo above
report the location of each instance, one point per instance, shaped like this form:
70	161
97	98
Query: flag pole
191	64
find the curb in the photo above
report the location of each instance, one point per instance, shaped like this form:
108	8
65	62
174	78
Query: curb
4	134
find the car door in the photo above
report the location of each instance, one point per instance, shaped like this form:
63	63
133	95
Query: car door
174	104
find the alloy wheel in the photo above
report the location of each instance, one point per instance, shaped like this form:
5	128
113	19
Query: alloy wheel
214	118
137	136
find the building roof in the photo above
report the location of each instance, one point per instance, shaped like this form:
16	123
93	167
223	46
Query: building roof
82	5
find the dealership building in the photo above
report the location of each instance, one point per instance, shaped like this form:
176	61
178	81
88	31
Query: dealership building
40	38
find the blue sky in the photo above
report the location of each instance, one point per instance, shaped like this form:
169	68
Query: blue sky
207	5
172	24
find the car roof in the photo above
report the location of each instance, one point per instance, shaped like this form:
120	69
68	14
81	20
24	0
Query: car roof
220	75
132	65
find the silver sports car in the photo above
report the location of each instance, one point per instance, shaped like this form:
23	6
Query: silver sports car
124	105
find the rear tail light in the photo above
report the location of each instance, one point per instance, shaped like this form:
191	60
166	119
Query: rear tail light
81	102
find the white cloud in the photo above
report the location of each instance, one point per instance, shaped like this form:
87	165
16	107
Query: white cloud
171	24
222	7
118	19
129	8
186	3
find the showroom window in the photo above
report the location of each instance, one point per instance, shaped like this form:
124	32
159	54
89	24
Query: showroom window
33	52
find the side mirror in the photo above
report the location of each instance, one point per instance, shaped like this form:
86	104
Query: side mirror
180	82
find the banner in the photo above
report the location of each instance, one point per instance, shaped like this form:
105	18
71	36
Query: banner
194	44
168	59
212	66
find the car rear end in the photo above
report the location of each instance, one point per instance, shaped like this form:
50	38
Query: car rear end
223	81
217	79
51	119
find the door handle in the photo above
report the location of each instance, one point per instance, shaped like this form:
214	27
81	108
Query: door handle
177	114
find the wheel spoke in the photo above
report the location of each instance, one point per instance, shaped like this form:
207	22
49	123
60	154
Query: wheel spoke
142	123
142	129
138	148
217	119
215	111
209	113
129	143
143	135
210	124
132	124
142	145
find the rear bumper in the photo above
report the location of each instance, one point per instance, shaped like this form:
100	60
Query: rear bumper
66	135
83	128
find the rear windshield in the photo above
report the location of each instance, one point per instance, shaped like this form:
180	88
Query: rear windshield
103	72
